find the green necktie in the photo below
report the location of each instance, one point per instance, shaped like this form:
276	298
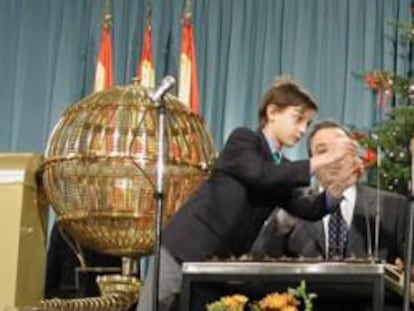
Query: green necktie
277	158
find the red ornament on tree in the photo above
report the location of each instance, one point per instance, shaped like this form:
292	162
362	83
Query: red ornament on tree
369	157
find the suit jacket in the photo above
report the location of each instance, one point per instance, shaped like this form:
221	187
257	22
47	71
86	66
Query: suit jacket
223	216
303	238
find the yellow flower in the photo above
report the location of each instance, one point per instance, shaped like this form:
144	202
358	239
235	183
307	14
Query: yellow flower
276	301
235	302
236	299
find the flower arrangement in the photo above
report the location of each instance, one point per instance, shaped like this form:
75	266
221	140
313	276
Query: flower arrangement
287	301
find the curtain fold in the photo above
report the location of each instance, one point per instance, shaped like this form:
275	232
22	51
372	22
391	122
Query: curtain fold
49	47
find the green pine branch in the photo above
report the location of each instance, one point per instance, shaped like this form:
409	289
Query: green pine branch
391	140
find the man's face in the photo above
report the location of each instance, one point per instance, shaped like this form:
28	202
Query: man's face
320	144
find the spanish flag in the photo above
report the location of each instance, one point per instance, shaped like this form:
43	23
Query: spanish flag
104	68
146	66
188	83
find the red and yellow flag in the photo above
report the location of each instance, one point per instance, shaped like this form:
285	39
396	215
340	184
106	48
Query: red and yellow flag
146	65
104	77
104	67
188	83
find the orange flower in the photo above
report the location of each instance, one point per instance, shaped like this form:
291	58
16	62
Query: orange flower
234	302
276	302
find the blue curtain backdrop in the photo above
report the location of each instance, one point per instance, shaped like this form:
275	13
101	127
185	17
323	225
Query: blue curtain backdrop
48	54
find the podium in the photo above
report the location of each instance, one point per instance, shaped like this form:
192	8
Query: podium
335	279
23	224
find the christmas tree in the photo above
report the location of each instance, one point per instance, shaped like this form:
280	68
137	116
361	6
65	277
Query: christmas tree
390	140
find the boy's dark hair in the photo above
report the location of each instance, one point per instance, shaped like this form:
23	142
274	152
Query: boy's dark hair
324	124
283	93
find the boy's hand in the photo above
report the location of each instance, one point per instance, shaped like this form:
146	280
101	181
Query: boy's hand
338	151
347	174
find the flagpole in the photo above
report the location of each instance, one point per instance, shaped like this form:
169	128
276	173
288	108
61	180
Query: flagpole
188	80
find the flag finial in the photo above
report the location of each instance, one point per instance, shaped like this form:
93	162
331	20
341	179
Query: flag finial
104	65
145	68
187	8
148	13
106	15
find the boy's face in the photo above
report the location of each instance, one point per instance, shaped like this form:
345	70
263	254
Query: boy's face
288	125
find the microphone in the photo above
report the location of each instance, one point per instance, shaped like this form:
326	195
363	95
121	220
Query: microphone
166	84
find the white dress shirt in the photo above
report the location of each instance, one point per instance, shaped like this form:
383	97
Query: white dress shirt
347	207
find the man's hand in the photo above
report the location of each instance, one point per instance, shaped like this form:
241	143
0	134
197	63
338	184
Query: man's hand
399	264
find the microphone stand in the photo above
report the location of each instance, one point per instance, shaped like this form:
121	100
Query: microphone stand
159	196
409	238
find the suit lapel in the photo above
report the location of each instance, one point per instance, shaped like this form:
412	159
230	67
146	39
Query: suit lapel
316	237
318	232
357	241
266	149
264	145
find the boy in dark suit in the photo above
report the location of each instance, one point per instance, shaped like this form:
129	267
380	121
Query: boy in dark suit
251	176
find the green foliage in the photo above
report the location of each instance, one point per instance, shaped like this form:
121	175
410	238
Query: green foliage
254	307
405	29
216	306
391	140
301	293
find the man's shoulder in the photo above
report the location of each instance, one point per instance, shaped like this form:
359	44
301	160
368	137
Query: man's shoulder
383	194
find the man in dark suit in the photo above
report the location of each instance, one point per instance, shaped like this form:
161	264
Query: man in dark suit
250	177
286	235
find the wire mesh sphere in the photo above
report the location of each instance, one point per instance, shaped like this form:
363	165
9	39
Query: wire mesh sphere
100	165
